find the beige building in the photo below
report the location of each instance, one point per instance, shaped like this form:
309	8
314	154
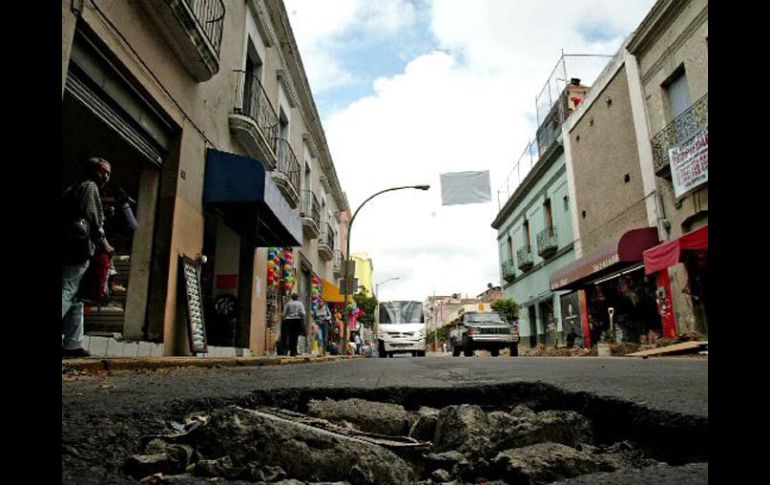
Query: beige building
206	114
615	213
671	46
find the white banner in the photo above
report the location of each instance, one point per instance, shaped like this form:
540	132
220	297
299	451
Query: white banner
465	188
690	162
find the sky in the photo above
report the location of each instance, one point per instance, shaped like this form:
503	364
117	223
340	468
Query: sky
410	89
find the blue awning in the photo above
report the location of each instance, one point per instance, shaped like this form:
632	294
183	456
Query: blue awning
245	194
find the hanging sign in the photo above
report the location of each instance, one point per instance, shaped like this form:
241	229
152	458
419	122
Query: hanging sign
190	275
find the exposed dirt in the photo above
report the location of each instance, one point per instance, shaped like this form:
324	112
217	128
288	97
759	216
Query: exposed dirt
514	433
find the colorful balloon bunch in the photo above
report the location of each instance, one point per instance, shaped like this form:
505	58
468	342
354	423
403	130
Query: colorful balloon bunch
354	311
273	268
280	269
315	293
289	276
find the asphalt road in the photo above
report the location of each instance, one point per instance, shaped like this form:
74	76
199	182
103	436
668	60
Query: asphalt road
677	385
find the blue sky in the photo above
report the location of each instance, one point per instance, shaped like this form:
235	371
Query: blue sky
410	89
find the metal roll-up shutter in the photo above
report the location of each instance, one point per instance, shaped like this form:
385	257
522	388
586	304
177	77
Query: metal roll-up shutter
96	84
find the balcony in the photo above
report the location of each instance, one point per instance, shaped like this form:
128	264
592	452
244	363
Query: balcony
326	243
310	214
193	30
509	270
286	173
547	242
337	266
679	130
524	258
254	122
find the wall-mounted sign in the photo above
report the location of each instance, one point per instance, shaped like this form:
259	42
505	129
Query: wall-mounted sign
690	162
190	276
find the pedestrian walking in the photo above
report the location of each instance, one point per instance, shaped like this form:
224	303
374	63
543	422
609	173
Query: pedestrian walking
294	318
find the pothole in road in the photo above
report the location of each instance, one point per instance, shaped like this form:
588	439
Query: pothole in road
517	433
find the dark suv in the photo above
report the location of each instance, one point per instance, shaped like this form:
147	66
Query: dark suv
484	331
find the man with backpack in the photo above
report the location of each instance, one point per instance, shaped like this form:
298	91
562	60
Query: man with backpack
83	234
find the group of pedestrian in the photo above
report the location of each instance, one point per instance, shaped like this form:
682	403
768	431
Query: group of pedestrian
330	329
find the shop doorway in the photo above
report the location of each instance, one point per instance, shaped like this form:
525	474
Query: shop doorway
532	312
631	295
550	329
696	263
105	113
84	136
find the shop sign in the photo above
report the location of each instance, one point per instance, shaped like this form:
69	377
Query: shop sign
570	313
606	262
690	162
190	276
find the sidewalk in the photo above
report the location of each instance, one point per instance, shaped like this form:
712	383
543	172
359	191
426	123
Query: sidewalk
109	353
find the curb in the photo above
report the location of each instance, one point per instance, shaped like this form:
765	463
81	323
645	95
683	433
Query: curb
95	365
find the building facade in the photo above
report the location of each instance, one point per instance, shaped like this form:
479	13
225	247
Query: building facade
671	47
615	214
364	273
206	114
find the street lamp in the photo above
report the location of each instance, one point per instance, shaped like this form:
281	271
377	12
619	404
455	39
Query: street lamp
377	286
347	281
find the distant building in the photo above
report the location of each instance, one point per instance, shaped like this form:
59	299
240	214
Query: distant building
364	272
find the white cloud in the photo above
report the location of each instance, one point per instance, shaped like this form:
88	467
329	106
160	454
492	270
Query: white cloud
467	106
319	28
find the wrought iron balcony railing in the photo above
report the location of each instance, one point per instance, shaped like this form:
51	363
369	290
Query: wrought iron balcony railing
311	209
326	242
310	214
337	263
210	16
251	100
509	270
547	242
524	258
287	163
679	130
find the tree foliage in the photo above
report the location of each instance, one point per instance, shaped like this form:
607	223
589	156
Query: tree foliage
508	308
368	305
439	335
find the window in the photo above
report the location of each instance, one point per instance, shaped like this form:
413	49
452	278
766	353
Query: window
527	235
308	182
548	214
678	93
566	203
510	253
251	82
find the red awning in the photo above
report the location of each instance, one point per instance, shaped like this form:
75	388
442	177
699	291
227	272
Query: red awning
616	256
669	253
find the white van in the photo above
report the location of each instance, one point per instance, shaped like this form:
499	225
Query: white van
400	328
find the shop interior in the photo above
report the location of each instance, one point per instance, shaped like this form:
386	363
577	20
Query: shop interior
84	136
631	296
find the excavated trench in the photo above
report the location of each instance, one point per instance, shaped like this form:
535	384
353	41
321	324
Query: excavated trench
521	433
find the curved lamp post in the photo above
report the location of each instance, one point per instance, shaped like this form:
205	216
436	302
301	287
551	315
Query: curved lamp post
377	286
346	315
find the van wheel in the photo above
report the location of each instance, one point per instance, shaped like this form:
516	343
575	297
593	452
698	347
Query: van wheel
515	350
468	351
455	352
495	352
381	351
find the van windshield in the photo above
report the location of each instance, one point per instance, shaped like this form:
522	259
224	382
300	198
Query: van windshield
401	312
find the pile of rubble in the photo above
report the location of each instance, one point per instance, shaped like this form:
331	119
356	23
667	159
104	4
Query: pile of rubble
364	442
